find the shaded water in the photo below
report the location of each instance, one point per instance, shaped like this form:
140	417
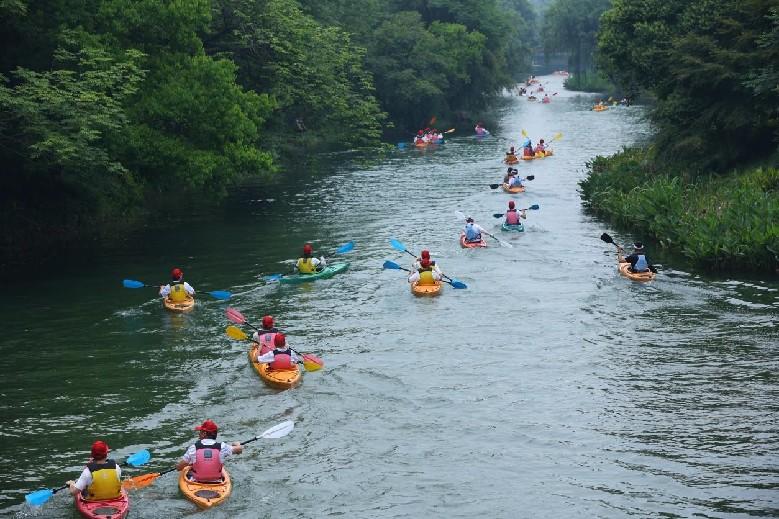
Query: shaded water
551	387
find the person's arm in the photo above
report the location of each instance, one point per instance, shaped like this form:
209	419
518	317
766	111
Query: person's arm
294	357
84	480
266	357
165	290
188	458
188	289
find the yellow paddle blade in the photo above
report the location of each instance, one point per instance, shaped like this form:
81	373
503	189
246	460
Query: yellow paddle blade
236	333
524	133
311	365
557	136
140	481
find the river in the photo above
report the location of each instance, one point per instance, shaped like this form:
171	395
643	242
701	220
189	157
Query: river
551	387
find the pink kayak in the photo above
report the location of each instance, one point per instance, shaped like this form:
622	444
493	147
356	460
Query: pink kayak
105	509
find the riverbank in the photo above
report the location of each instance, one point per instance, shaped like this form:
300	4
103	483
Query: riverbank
719	222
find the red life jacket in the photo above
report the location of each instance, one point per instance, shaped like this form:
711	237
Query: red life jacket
281	361
512	217
207	467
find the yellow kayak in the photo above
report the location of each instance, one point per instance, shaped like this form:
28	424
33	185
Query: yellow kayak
205	495
184	306
426	290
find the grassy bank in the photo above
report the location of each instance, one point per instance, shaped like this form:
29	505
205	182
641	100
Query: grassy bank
589	82
720	222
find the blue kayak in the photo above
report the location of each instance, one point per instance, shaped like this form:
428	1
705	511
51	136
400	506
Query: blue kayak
515	228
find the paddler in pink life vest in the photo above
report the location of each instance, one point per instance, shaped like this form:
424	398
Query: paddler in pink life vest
102	477
540	146
513	216
207	456
419	137
308	264
178	290
281	356
264	337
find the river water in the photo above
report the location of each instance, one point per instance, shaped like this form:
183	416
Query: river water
551	387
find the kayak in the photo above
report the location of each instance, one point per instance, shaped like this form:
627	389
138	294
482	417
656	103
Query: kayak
184	306
205	495
106	509
515	228
279	379
426	290
598	108
328	272
471	244
624	269
513	190
528	157
542	154
510	159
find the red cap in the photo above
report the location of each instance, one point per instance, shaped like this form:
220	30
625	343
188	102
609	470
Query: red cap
425	262
511	204
176	274
208	426
279	340
99	449
426	254
267	322
308	249
419	132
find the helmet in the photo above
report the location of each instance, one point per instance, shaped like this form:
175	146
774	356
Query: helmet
419	132
469	220
279	340
426	254
308	249
511	204
176	274
267	322
425	262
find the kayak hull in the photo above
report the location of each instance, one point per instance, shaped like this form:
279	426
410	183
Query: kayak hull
471	244
278	379
426	290
528	157
513	190
511	160
327	272
184	306
205	495
107	509
512	228
624	269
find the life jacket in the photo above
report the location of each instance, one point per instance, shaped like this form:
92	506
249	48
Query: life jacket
512	217
266	340
641	264
306	266
105	481
515	181
426	276
177	293
208	466
471	234
528	151
281	360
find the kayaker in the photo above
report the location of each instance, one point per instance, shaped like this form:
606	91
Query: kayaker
206	456
287	356
513	216
540	146
426	274
101	479
264	336
528	150
177	290
425	255
480	129
472	231
308	264
638	260
515	180
509	172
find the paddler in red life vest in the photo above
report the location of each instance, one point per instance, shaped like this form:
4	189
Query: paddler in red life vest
281	356
513	216
419	137
308	264
264	337
207	456
178	290
101	479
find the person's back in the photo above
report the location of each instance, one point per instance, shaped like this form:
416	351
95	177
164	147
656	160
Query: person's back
101	478
472	232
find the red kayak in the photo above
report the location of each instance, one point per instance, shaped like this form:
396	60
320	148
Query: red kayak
471	244
106	509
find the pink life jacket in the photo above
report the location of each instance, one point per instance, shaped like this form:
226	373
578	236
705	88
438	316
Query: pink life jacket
512	217
207	467
266	341
281	361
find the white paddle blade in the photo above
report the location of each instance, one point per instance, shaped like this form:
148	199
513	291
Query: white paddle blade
280	430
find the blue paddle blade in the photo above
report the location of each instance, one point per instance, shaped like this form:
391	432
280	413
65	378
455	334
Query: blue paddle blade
139	458
39	497
129	283
273	277
346	247
397	245
458	284
391	265
220	294
402	145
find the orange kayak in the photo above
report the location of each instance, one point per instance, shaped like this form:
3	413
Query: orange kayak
184	306
426	290
205	495
279	379
510	159
516	189
624	269
471	244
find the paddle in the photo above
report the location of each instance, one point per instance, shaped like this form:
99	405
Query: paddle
310	362
608	239
450	130
496	186
394	266
346	247
238	318
531	208
218	294
399	246
277	431
39	497
502	243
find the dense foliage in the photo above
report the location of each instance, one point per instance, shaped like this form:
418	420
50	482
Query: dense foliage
108	107
571	26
